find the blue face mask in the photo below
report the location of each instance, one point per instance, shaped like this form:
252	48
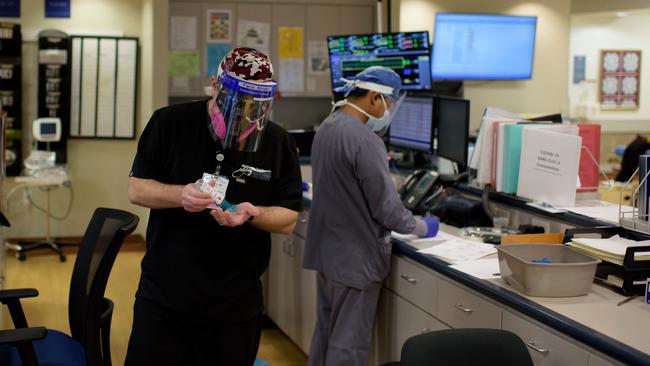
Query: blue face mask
380	125
377	125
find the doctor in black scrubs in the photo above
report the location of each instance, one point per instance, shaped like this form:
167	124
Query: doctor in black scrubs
199	300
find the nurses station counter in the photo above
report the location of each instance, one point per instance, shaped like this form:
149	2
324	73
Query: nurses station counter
422	293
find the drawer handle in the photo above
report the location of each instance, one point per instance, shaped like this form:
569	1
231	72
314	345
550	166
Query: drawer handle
532	345
303	220
425	330
409	279
286	246
463	308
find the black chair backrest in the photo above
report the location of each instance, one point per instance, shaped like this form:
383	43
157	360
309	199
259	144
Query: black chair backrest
465	347
100	244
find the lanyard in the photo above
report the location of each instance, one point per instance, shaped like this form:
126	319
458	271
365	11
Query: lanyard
220	157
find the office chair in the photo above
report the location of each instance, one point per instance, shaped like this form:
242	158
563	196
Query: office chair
465	347
89	312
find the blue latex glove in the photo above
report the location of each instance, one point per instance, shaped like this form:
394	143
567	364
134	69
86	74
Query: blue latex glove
546	260
433	223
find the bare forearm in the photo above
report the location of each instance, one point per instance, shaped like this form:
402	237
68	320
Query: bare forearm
153	194
276	219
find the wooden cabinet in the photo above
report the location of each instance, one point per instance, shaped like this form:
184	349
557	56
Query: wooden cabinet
291	303
414	283
397	320
546	347
281	307
461	308
597	360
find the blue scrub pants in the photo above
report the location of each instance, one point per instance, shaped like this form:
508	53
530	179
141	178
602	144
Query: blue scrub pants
343	330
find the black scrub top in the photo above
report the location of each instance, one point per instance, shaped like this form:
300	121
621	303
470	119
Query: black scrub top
194	267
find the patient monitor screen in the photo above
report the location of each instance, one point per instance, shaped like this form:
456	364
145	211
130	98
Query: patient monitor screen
48	129
407	53
411	127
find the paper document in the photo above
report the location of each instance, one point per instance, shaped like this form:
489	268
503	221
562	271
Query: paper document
414	239
484	268
610	249
441	236
459	250
599	210
548	169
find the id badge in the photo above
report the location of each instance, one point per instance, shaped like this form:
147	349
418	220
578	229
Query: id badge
215	185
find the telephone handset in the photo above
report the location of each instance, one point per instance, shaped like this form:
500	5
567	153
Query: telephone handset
420	190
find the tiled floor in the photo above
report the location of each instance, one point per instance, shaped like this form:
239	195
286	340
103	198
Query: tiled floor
51	278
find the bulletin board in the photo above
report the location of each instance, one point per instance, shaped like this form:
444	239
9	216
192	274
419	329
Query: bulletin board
104	73
293	35
620	77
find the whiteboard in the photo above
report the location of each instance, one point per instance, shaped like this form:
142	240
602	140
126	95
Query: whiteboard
103	87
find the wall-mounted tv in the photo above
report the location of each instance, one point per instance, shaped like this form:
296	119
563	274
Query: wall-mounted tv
407	53
483	47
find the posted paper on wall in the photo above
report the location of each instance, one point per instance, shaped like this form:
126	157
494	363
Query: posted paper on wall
214	55
291	42
254	35
548	169
184	63
291	76
317	57
219	23
182	35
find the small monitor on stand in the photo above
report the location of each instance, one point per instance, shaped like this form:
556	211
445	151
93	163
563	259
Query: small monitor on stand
412	128
452	127
47	130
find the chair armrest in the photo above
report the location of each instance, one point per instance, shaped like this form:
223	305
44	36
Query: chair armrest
21	335
18	293
12	299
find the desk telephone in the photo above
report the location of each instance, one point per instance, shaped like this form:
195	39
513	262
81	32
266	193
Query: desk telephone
421	190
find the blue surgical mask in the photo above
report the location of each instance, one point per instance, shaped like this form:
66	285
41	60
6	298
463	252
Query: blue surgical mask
377	125
380	125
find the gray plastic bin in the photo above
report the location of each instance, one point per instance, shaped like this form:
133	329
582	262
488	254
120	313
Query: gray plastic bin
570	273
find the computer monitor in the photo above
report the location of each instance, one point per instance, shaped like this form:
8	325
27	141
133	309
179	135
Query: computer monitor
412	125
452	127
47	129
483	46
407	53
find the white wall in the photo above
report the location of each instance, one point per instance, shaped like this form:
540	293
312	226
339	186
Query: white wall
99	168
591	33
546	92
593	6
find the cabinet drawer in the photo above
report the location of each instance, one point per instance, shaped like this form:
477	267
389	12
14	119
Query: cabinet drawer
546	348
460	308
414	283
301	225
596	360
399	321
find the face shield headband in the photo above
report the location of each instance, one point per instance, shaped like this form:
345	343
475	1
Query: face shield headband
241	110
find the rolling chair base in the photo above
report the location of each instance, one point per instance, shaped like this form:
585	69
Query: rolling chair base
23	247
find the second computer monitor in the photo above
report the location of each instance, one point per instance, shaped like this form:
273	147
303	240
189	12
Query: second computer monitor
412	125
452	129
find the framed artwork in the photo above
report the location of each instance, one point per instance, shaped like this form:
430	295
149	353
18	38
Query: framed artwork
620	76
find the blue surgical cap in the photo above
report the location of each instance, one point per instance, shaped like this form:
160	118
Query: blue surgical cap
374	74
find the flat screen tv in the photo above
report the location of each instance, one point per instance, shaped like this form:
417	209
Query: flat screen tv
483	47
407	53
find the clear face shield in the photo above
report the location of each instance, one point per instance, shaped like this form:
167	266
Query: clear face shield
390	112
241	111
